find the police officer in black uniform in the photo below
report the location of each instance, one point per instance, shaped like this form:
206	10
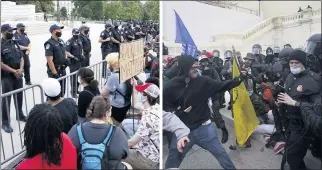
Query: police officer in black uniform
87	46
227	71
128	33
313	50
257	50
55	52
302	85
116	38
22	39
74	49
218	64
276	51
137	32
216	117
287	46
12	64
106	46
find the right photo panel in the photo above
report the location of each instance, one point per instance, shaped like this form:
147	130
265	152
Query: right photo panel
241	84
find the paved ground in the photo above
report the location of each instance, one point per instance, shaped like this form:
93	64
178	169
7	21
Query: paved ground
251	158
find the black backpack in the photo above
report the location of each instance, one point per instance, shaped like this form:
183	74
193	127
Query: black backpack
128	92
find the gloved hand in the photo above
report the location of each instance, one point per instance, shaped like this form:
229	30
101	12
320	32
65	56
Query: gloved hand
56	76
76	59
82	57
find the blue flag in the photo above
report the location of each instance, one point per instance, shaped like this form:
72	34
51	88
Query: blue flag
183	37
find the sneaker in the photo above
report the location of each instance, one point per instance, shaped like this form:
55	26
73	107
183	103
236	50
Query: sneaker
279	147
266	137
7	128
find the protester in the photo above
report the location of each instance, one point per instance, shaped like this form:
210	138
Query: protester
95	132
47	147
66	106
118	93
86	79
145	143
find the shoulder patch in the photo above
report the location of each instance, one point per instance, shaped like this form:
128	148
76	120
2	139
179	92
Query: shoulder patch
47	46
102	34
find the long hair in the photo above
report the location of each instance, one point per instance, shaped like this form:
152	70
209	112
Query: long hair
42	134
98	108
87	75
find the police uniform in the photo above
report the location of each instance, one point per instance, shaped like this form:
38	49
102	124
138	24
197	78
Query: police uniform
23	40
87	48
302	87
135	31
75	47
127	33
218	64
116	35
57	49
11	56
106	47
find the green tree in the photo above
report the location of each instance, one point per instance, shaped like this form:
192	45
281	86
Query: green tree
113	10
132	10
152	9
63	12
41	5
89	9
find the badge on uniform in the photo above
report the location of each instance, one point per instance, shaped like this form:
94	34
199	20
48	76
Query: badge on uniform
299	88
47	46
102	33
13	38
67	43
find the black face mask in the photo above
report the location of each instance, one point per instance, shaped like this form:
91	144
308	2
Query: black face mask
75	36
86	32
58	34
9	35
22	30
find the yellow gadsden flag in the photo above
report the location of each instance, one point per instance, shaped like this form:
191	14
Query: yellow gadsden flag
245	118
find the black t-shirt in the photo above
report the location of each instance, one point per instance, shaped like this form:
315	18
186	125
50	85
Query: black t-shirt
68	111
85	99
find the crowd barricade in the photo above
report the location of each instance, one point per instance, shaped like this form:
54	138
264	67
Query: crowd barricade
12	146
12	143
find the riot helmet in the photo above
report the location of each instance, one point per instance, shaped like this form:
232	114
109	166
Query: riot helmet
269	51
215	53
284	55
228	54
287	46
256	49
204	64
313	45
277	50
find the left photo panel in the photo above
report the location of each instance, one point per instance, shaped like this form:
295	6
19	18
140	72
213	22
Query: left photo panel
80	85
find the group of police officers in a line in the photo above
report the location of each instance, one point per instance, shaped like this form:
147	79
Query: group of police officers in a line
75	53
290	74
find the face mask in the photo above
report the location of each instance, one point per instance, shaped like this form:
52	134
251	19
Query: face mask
86	31
58	34
22	30
75	36
296	70
9	35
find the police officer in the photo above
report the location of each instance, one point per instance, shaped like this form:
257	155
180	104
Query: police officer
257	50
313	50
106	45
137	32
218	64
12	65
87	46
116	39
287	46
216	117
128	33
302	85
239	58
269	59
22	39
276	51
227	71
74	49
55	52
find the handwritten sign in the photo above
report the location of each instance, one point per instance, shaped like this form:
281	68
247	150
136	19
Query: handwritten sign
131	59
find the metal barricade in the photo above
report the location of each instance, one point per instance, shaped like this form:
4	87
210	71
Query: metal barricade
12	143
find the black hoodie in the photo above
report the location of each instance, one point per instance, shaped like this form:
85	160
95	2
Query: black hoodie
179	95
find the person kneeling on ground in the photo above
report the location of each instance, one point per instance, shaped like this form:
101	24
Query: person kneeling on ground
67	107
145	143
47	147
97	133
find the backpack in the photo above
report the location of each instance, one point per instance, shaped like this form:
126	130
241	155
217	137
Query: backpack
92	154
128	92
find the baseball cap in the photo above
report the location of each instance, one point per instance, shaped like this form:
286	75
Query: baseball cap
75	31
51	87
107	25
149	88
20	25
55	27
6	27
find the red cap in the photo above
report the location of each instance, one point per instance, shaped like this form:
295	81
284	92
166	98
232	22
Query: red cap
169	59
149	88
208	54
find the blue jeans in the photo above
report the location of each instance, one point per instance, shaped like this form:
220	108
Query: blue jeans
206	138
